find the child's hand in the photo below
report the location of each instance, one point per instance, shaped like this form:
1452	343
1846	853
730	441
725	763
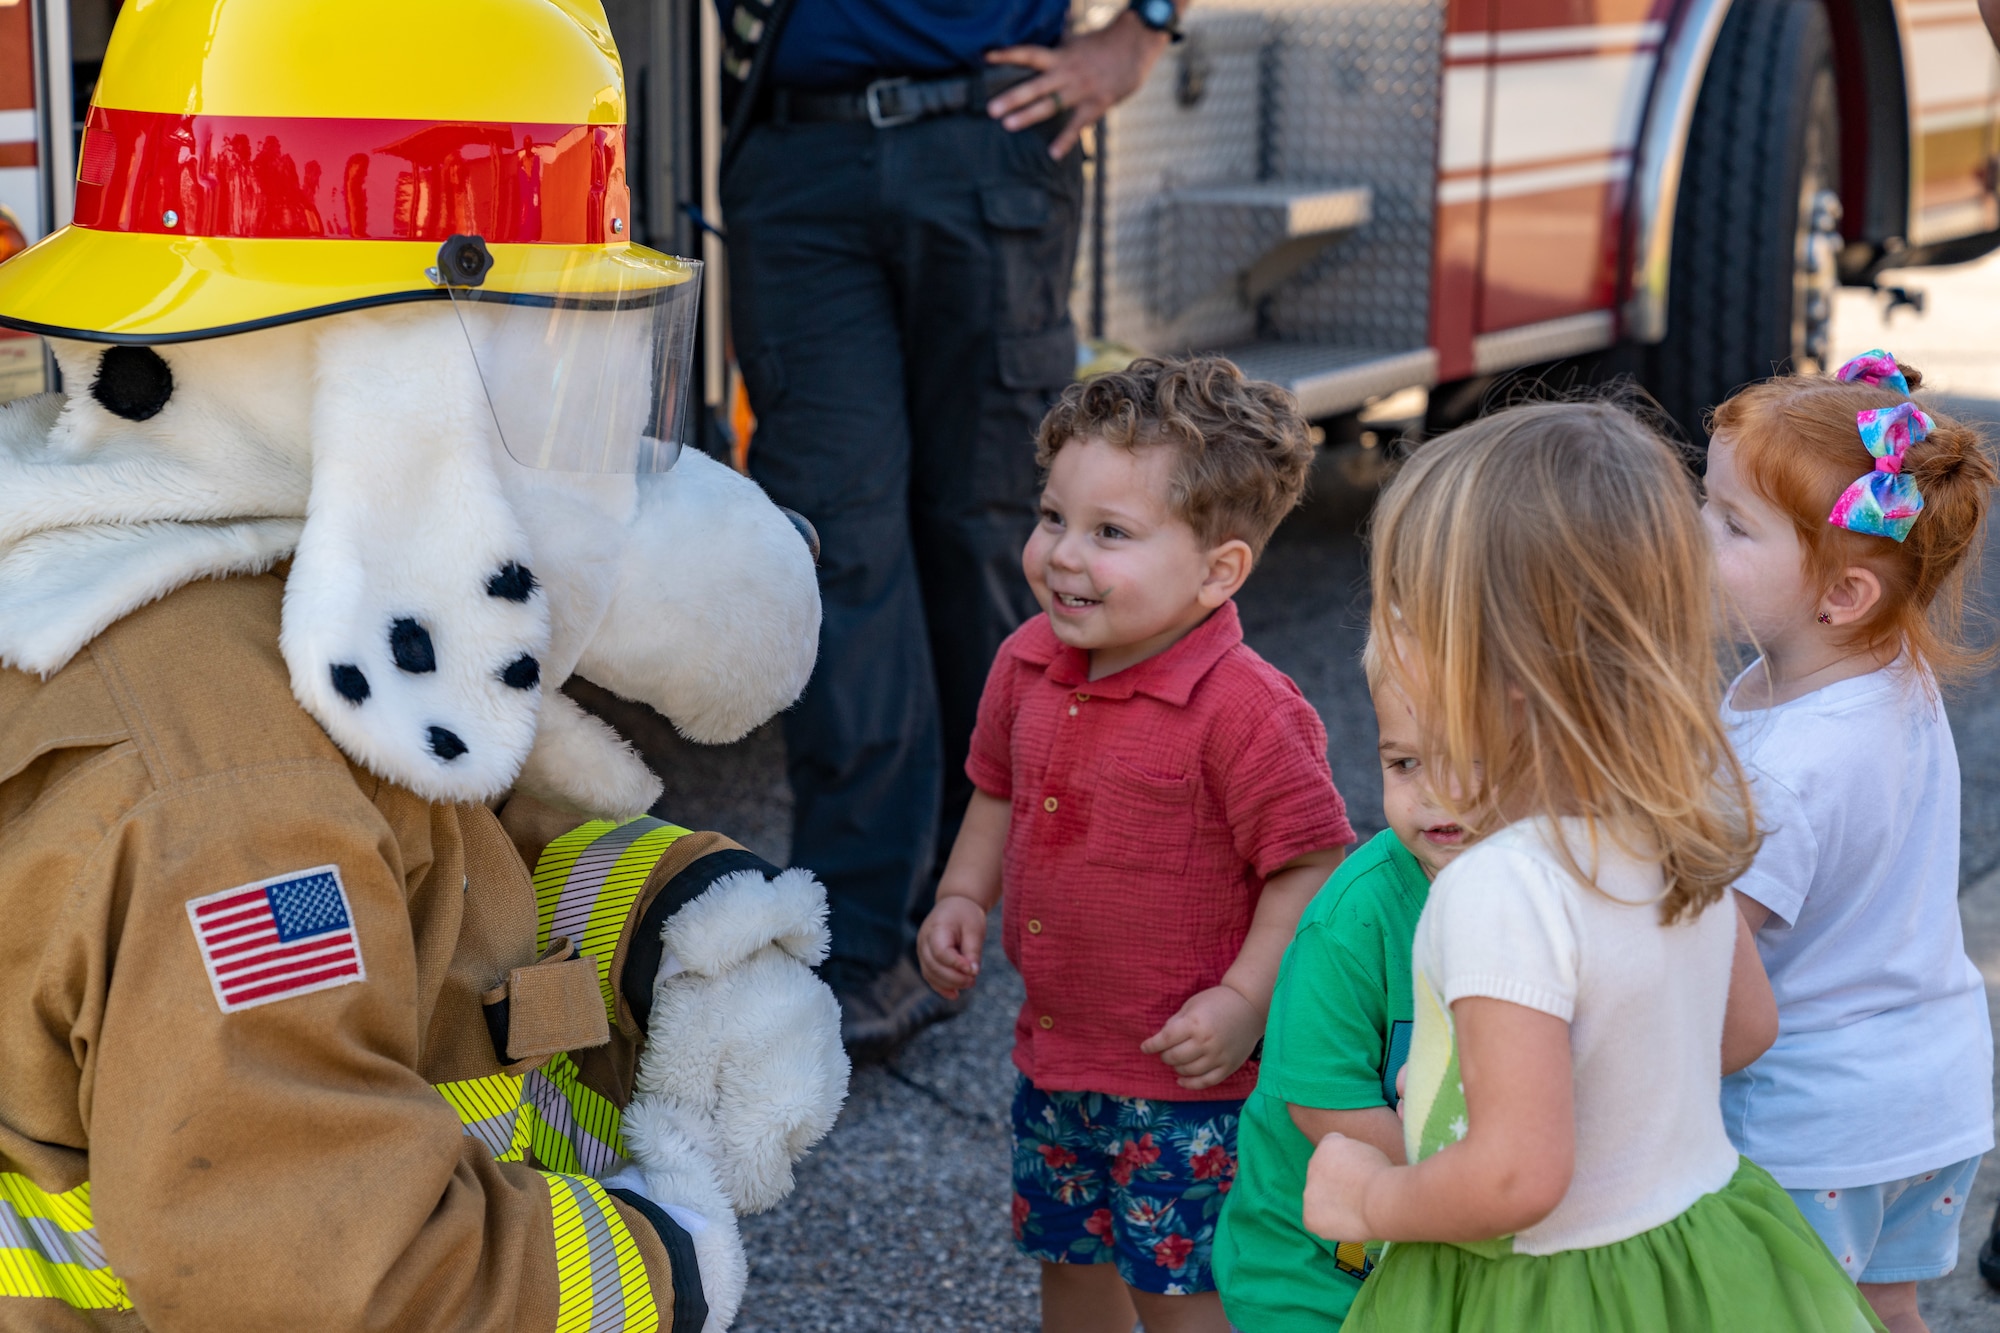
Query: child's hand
1337	1181
949	945
1209	1039
1402	1086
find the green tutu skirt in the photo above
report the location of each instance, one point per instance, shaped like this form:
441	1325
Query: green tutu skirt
1739	1259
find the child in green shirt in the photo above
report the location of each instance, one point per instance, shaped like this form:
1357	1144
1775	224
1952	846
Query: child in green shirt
1337	1035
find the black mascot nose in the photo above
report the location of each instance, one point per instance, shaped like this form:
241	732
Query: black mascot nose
806	530
132	382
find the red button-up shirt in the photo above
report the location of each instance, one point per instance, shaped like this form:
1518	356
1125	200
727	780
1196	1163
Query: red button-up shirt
1148	808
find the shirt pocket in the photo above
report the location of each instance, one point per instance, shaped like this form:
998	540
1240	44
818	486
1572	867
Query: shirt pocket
1140	821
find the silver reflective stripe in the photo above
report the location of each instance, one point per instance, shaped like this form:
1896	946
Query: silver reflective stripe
607	1291
52	1240
594	1156
586	878
13	1235
495	1131
22	1232
50	1249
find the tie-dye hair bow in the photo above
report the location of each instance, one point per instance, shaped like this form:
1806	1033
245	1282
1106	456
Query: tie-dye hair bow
1884	502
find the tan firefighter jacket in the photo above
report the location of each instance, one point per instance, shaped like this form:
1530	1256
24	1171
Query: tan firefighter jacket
324	1136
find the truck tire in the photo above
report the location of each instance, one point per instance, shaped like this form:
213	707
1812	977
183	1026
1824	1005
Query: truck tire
1756	227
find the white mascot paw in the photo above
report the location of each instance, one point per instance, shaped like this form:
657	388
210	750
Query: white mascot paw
673	1171
754	1072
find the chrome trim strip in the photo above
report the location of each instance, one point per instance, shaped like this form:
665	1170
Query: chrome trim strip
1547	341
1914	230
1656	176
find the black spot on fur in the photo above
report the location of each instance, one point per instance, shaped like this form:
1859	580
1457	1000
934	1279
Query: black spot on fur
445	744
349	683
410	645
514	582
132	382
523	673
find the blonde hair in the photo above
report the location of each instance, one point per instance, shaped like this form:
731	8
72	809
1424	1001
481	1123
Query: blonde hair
1241	448
1796	441
1547	570
1373	667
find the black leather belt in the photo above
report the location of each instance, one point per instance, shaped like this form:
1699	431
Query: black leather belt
886	103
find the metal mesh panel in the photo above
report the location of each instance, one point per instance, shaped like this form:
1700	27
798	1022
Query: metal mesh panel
1195	122
1353	91
1308	93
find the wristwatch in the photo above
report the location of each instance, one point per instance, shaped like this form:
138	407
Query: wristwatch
1159	15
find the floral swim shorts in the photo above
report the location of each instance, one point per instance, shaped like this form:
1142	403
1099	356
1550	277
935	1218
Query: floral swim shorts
1122	1180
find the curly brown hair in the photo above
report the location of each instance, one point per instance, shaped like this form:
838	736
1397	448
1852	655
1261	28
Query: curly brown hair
1242	448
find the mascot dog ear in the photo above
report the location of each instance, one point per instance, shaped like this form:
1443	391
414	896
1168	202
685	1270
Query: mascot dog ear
161	466
712	619
414	623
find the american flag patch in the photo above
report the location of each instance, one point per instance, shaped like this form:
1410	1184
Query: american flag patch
276	938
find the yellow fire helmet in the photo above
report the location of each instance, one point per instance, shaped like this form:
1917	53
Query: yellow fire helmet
248	163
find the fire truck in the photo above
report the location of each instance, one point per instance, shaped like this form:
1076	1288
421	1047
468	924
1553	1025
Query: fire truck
1385	205
1366	198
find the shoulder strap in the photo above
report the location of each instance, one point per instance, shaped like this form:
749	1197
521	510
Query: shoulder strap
750	33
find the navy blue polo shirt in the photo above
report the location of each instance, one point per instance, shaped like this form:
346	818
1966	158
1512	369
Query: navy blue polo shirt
842	44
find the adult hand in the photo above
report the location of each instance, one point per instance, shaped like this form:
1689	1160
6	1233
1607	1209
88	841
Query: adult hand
949	944
1337	1181
1086	76
1209	1039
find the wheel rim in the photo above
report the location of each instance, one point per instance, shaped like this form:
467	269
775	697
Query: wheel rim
1817	239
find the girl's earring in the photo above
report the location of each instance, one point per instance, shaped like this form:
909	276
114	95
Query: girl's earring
1825	619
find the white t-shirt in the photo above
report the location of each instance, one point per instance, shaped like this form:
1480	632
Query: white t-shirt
1644	1003
1883	1066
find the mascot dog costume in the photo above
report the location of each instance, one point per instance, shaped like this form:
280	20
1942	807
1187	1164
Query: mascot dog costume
325	1002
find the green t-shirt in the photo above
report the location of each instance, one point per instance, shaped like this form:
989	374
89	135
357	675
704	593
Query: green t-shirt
1340	1027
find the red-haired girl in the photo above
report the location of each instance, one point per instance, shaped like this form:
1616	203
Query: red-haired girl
1845	518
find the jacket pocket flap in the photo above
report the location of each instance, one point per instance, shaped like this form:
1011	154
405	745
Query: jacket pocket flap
548	1007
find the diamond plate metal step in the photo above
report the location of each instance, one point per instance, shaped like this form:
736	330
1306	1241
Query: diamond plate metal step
1251	235
1329	379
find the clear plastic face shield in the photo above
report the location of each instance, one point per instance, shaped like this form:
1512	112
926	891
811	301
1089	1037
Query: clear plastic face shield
591	372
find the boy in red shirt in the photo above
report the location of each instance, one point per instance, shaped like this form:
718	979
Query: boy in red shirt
1155	802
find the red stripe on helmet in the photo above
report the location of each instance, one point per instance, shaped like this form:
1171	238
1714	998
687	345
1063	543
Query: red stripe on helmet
292	177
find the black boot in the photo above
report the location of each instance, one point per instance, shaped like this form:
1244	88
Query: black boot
879	1013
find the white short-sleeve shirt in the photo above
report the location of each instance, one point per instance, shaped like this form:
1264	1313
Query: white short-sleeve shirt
1883	1067
1644	1002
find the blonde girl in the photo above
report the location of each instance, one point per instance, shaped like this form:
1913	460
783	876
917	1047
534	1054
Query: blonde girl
1845	518
1545	585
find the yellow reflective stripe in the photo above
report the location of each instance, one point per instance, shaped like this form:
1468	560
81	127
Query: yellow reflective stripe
549	1113
49	1248
586	882
600	1275
489	1109
573	1128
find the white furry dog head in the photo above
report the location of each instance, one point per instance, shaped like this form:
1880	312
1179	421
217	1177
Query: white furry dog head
440	592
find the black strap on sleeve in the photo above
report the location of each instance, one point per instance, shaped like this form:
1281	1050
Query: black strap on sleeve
690	1305
643	950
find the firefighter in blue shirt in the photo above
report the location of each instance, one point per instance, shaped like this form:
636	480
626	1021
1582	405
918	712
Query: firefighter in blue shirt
902	191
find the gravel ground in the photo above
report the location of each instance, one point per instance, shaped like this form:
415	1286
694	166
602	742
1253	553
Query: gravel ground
900	1218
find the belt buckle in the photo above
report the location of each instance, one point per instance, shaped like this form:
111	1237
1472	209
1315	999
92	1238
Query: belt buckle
872	97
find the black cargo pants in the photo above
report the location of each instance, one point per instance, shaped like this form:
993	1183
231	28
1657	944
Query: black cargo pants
900	307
